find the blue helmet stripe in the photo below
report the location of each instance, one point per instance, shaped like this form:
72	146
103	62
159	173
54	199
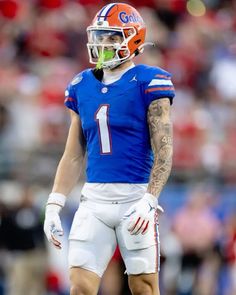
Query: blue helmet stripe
109	11
100	14
105	11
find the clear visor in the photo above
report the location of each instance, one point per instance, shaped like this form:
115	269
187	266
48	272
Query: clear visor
105	37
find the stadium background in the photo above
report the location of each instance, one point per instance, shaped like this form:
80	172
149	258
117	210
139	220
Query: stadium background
42	46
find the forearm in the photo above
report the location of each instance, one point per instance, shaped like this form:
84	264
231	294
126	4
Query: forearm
162	161
161	135
68	173
71	163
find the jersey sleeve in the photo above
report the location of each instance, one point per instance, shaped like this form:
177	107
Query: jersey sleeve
71	99
159	85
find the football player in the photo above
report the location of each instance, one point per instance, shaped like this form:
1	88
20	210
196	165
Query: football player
120	118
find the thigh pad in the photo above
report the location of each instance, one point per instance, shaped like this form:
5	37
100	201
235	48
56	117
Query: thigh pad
82	228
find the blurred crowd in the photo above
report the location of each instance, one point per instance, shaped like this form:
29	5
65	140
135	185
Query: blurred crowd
42	46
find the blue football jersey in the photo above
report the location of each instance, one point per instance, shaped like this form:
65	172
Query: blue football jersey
114	122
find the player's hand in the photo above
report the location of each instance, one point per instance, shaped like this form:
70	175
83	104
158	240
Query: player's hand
52	223
141	214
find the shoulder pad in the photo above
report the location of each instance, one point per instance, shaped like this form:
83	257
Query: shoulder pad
147	73
79	77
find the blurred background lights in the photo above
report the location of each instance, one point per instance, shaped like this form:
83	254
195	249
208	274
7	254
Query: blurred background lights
196	7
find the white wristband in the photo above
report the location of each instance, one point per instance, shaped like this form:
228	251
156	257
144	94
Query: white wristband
56	199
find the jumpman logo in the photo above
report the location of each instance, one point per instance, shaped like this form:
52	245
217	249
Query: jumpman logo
151	207
133	79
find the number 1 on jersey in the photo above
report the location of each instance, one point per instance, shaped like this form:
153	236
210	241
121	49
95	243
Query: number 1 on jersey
101	117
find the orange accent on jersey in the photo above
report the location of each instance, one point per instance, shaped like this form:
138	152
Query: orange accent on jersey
162	76
159	88
70	99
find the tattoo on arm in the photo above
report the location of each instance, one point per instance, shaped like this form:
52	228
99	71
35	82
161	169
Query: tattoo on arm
161	136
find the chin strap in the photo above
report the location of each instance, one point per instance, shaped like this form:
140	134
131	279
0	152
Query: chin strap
141	47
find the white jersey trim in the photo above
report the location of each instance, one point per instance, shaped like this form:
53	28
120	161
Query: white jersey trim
114	192
160	82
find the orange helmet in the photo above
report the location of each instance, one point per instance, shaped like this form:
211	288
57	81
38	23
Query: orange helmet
116	35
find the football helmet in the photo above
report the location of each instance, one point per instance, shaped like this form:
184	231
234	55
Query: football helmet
117	34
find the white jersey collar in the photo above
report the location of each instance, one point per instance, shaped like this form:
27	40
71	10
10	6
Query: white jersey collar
113	76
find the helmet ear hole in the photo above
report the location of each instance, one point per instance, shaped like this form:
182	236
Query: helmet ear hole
137	41
123	53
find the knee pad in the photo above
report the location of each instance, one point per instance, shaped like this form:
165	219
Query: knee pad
79	258
83	258
142	261
137	265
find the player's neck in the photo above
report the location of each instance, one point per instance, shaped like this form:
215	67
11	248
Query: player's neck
122	67
113	75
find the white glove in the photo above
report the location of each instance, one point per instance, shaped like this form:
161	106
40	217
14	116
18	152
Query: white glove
142	213
52	222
